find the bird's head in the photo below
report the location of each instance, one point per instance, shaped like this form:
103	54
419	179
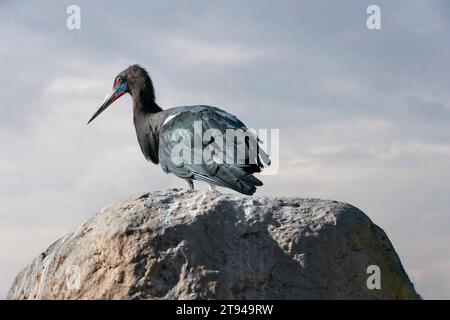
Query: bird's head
133	80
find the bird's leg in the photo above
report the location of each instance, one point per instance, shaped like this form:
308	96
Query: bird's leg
212	188
191	184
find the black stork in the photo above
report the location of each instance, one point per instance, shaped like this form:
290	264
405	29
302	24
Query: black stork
155	129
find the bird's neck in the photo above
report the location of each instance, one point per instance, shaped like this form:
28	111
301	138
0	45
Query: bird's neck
145	107
144	102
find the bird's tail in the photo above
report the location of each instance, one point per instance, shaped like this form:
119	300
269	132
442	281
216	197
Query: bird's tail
236	178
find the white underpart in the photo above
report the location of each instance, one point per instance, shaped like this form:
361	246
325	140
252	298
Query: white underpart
170	118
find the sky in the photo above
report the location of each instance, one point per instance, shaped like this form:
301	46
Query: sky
363	114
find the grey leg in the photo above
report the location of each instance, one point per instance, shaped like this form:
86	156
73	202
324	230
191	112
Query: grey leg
190	183
212	188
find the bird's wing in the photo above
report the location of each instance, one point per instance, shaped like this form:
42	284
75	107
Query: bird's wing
180	130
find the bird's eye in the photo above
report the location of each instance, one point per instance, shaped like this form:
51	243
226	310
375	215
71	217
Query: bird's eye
119	79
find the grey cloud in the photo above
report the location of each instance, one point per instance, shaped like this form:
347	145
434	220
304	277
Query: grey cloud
363	115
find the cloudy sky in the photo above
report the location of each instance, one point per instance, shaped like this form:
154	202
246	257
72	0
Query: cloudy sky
363	115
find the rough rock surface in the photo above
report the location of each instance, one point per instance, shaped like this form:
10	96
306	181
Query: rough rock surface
176	244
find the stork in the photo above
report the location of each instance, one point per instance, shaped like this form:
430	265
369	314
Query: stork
160	132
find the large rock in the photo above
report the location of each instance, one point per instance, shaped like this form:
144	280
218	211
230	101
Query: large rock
193	245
